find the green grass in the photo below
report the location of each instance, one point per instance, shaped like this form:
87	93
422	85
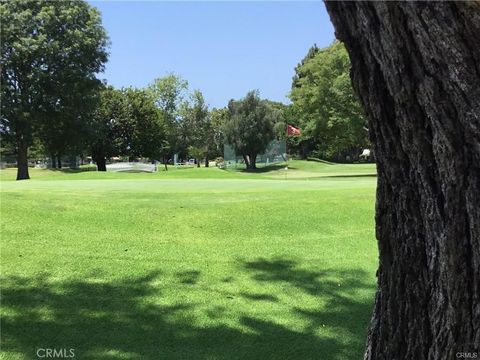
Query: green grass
297	169
189	264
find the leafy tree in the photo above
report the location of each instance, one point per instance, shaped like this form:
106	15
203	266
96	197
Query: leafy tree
65	128
106	134
325	106
249	127
128	123
169	92
197	121
281	115
50	53
418	80
299	73
218	119
148	137
196	153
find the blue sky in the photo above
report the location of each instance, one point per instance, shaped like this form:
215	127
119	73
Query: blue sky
223	48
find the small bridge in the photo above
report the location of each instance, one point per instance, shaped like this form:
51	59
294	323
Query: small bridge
132	167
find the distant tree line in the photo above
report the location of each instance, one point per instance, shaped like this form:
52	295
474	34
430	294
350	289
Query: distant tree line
53	105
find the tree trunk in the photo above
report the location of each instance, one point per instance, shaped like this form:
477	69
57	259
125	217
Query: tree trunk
252	162
165	161
54	162
22	161
59	161
246	160
198	162
304	151
416	69
206	162
101	163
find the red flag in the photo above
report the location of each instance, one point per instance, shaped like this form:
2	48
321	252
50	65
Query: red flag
293	131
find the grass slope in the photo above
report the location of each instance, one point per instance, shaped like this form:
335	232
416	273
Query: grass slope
189	264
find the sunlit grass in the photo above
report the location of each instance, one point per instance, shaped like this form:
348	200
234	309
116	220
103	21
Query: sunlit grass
193	264
297	169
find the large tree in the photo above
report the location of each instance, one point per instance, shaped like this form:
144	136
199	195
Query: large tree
250	127
325	106
126	122
106	135
198	128
147	123
416	69
65	128
169	93
50	53
218	118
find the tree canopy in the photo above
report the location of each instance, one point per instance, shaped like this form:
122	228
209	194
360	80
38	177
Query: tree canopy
325	106
127	123
169	93
50	54
250	126
52	100
196	121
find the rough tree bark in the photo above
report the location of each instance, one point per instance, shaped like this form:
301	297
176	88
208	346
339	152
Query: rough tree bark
416	69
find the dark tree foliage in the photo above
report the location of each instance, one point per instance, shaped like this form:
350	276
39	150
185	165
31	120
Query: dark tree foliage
148	130
106	135
127	123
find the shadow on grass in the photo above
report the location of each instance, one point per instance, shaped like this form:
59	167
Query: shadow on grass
350	176
343	311
321	161
260	169
119	319
68	170
268	168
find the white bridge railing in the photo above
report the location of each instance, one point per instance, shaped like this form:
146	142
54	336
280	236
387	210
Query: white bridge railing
132	166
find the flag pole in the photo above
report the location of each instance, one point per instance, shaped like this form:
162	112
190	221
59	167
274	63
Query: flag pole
295	132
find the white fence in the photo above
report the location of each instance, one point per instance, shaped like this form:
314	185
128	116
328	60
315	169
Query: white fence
132	166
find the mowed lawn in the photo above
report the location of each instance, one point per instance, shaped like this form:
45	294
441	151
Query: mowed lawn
189	264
